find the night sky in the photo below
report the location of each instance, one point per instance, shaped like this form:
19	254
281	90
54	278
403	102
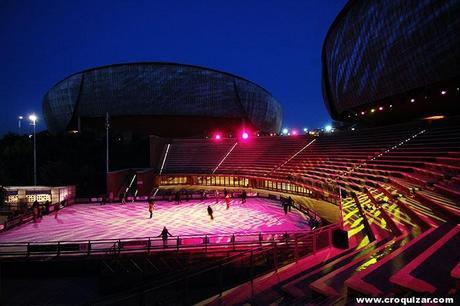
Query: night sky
276	44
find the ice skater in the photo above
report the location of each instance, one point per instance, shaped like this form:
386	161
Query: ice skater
210	212
285	207
151	207
35	210
227	201
178	197
243	197
164	236
47	207
290	203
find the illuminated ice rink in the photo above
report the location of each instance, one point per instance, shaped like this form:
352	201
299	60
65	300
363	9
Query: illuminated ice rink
111	221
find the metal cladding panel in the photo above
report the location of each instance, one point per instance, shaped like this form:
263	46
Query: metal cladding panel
267	116
59	103
166	89
379	49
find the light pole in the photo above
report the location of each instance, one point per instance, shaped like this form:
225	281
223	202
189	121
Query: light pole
33	120
19	123
340	207
107	126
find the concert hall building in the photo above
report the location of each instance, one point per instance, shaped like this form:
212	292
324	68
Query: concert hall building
162	99
389	61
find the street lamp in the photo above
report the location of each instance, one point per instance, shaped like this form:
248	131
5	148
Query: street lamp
19	123
33	121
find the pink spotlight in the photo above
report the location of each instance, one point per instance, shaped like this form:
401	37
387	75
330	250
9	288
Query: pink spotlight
245	135
217	136
294	132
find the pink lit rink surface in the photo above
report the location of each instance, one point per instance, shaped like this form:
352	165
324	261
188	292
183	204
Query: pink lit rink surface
113	221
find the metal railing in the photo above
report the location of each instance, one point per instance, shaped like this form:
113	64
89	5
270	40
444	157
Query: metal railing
203	243
195	286
28	215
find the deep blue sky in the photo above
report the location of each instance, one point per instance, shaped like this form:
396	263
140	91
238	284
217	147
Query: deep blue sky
276	44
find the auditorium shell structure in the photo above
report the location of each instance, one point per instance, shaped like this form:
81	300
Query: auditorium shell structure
392	60
163	99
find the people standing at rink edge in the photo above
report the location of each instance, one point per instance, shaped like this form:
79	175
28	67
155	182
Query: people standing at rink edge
164	236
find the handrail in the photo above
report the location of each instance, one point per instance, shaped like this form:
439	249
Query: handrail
208	243
181	277
28	216
272	249
180	236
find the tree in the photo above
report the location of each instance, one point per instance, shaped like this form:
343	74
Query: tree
3	195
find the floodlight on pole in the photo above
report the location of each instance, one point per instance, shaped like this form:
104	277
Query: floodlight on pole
33	120
20	123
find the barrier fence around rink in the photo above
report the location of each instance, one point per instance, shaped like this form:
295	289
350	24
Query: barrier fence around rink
220	276
316	239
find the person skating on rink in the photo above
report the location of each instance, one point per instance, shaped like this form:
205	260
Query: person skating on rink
177	197
244	195
35	210
227	201
151	207
290	203
285	207
210	212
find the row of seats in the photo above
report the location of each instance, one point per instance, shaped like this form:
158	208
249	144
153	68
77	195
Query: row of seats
400	193
196	155
261	155
410	187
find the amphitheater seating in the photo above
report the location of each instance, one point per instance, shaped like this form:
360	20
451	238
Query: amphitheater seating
400	202
261	155
401	207
196	155
375	280
430	271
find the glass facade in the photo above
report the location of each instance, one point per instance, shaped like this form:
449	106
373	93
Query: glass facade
159	89
236	181
380	49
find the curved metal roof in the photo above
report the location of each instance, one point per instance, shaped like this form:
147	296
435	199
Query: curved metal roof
159	89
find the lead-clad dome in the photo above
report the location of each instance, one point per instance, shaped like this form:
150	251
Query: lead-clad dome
392	52
165	99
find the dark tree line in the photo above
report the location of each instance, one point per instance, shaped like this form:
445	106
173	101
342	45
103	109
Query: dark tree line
68	159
